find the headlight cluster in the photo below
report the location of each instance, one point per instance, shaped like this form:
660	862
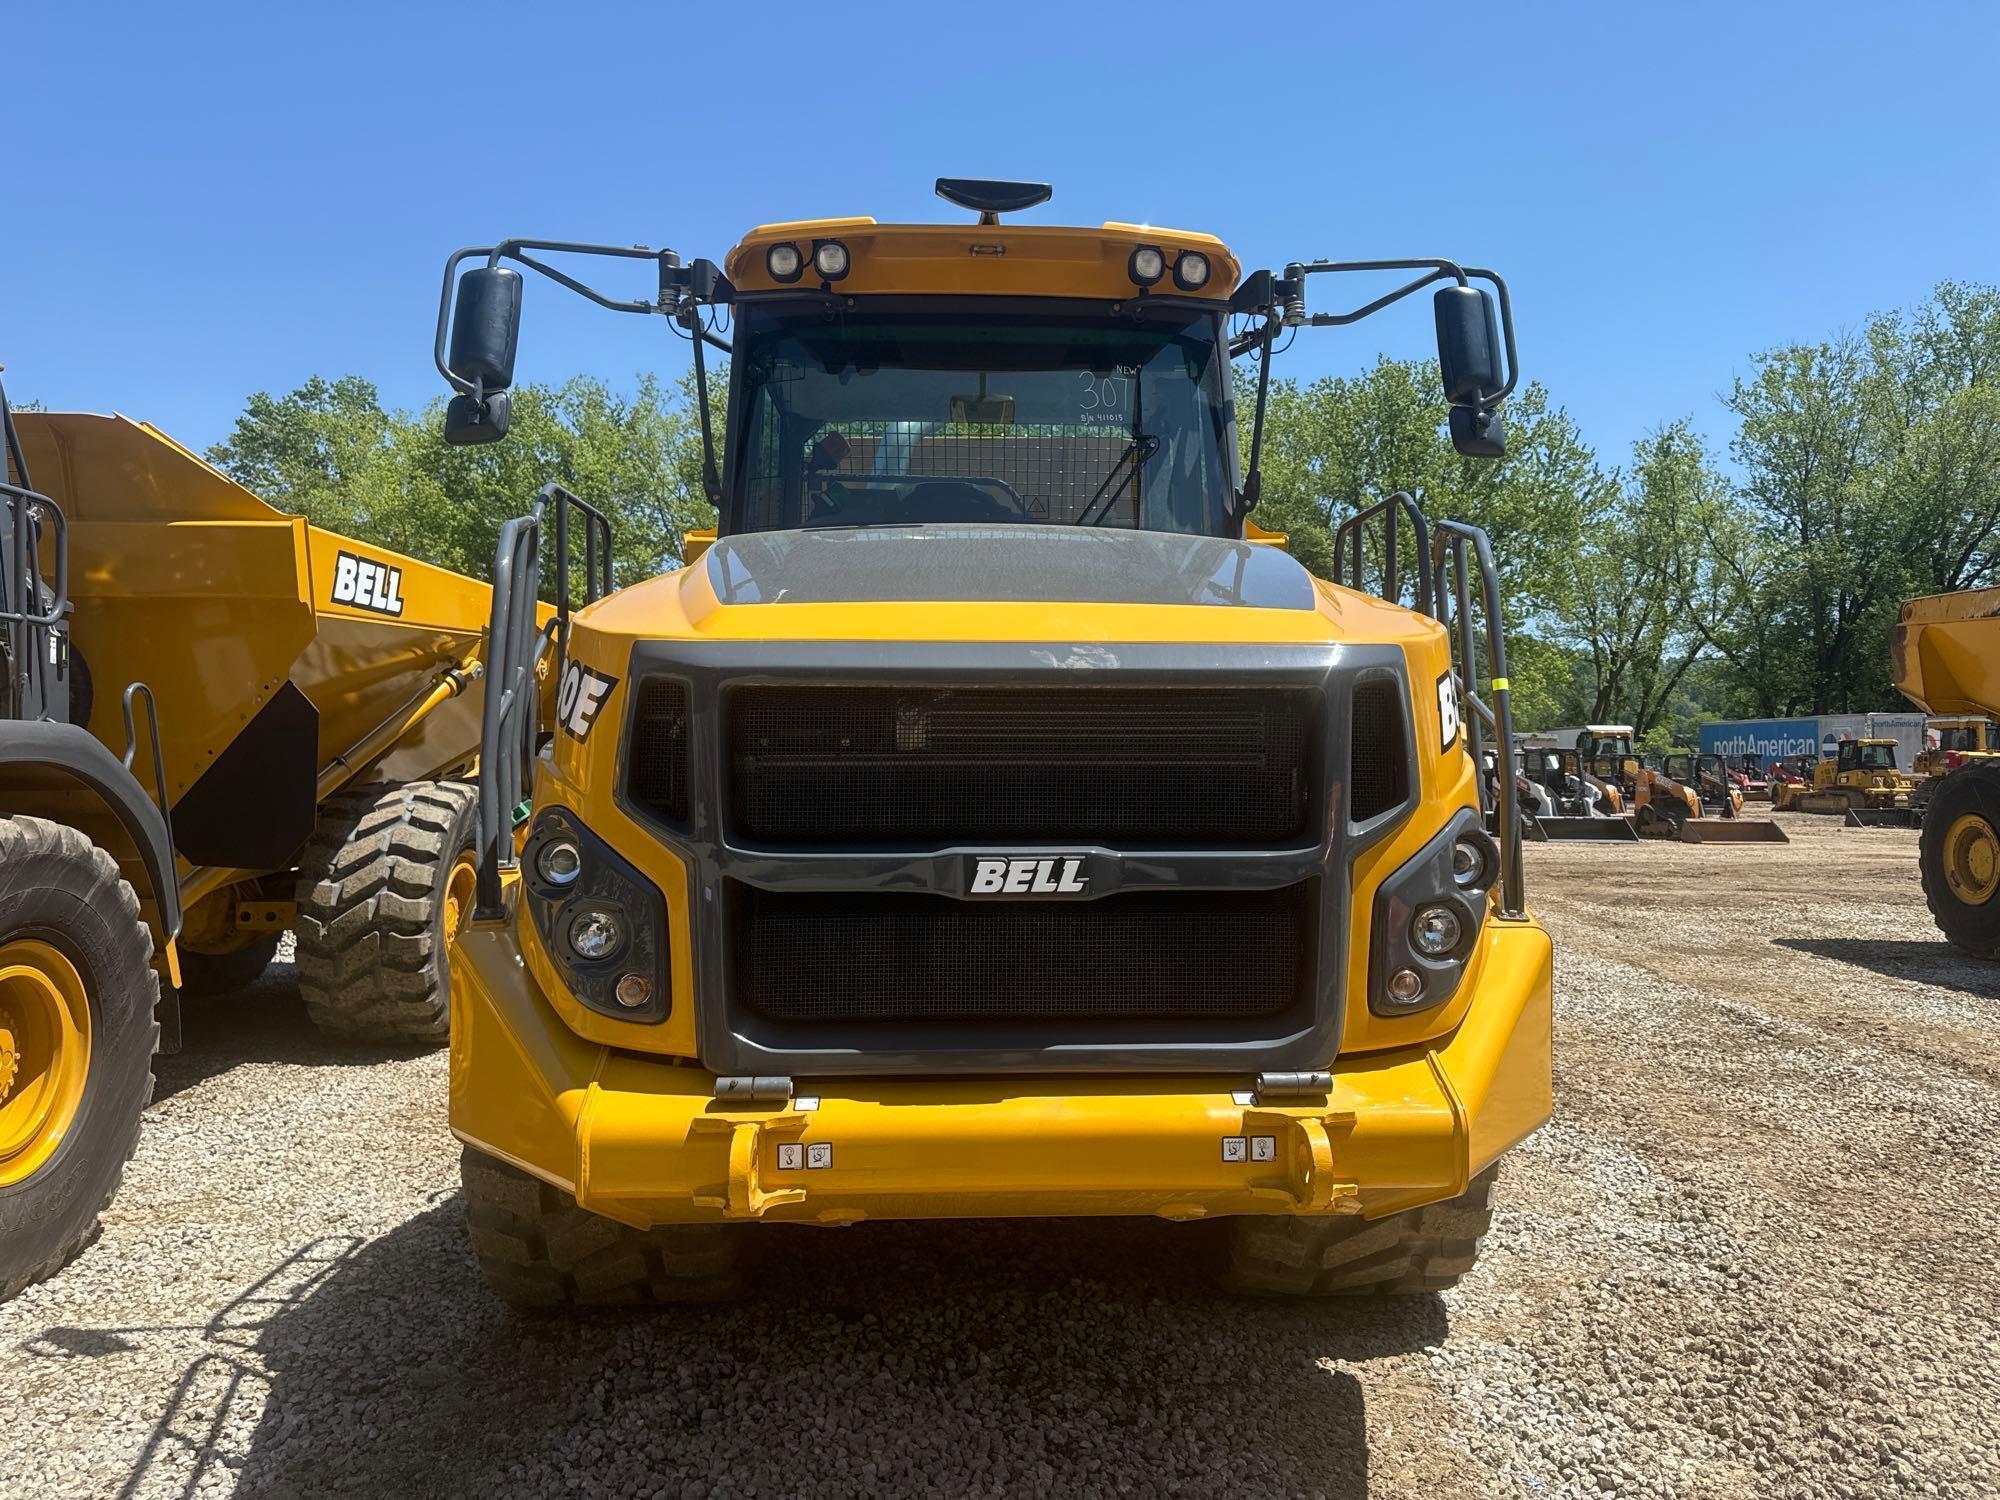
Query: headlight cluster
602	922
785	262
1428	915
1149	263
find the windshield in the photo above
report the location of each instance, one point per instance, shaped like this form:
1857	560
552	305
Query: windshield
975	416
1878	757
1958	737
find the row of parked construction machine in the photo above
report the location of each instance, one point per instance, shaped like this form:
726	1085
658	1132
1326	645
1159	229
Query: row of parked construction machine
1598	787
218	724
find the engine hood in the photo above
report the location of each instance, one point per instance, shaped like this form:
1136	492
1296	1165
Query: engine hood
997	582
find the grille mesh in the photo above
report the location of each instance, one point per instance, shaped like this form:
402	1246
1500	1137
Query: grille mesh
1377	768
658	750
1133	767
1140	955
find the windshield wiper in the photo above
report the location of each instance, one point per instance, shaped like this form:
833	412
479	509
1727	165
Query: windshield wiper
1137	453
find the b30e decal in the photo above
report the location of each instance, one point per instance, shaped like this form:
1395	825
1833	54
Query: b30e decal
1447	712
1061	875
366	584
581	697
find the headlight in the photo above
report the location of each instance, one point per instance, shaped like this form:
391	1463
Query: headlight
601	922
784	262
1435	931
1191	270
830	259
1146	266
595	934
559	862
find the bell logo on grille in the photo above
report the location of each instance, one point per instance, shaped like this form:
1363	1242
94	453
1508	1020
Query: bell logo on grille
1059	875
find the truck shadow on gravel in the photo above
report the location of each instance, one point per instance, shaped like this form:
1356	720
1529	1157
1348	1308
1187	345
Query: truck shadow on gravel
1932	963
1029	1356
264	1022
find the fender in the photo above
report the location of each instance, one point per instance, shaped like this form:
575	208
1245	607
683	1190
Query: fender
76	754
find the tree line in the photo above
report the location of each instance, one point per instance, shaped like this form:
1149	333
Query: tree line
1660	590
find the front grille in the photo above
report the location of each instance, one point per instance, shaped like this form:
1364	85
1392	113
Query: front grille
1378	764
1180	955
1130	767
658	748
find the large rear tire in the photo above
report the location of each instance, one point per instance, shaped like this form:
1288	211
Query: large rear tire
536	1248
1959	857
77	1035
385	881
1407	1254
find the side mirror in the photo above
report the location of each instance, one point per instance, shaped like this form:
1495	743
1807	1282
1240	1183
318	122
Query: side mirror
1468	344
486	325
1478	434
468	423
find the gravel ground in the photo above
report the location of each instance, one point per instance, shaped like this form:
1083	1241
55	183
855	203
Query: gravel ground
1753	1256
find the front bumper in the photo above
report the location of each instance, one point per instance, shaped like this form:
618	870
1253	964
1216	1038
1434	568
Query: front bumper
644	1140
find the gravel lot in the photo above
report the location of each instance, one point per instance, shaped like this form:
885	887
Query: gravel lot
1754	1256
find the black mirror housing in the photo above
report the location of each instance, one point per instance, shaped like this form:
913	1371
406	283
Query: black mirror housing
1468	344
1478	434
469	423
486	326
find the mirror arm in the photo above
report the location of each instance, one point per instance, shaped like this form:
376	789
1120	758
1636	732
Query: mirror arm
1292	295
1253	472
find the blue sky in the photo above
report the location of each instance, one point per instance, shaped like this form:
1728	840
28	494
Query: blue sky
206	200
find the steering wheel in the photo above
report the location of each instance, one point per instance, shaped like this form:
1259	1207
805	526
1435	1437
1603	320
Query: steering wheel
944	497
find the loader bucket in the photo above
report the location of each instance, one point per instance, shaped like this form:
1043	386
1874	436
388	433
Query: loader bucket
1611	830
1884	817
1733	831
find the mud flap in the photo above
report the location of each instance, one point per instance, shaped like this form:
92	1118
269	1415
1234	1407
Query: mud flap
1733	831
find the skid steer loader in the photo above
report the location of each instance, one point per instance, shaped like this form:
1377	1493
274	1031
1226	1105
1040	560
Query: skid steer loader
1568	801
218	723
989	818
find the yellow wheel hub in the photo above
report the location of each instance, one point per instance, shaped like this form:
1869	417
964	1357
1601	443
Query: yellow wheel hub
1972	859
44	1054
460	891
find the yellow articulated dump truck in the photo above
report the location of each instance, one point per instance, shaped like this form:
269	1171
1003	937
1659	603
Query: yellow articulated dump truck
989	819
218	723
1945	655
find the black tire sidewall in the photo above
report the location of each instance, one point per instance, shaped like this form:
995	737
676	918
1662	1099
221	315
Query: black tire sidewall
1971	789
48	897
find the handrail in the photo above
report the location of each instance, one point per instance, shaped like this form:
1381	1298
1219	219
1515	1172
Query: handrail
516	645
134	690
1355	527
1450	542
510	689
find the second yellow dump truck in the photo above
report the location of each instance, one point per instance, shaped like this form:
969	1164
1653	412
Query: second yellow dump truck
1946	660
989	819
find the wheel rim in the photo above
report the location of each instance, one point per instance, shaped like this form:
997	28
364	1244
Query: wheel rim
460	890
44	1054
1972	859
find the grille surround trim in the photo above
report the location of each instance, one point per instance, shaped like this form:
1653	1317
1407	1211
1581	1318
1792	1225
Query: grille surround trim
730	1040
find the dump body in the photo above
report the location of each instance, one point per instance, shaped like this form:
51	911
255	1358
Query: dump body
1946	658
286	660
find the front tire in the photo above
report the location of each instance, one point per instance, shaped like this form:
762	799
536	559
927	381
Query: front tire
537	1248
77	1035
1417	1251
1959	858
385	881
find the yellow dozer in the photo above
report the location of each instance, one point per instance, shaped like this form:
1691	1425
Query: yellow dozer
219	723
1859	782
1946	659
989	818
